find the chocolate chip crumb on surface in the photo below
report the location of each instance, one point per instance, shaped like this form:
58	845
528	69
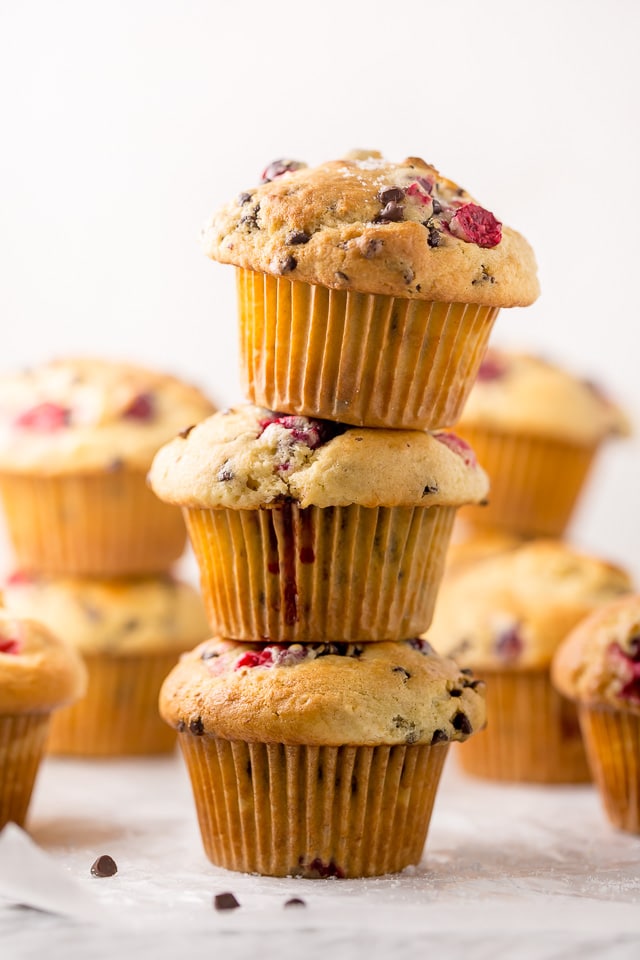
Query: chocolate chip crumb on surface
104	866
225	901
295	902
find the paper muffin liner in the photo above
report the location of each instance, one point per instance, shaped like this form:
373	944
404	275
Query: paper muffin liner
22	740
289	574
612	740
532	733
310	811
535	481
103	524
119	714
364	359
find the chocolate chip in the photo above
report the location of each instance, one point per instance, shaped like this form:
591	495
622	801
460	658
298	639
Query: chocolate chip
408	275
225	901
369	246
297	236
439	736
115	465
295	902
466	671
225	472
461	723
187	430
387	194
244	198
288	264
342	277
437	207
406	674
104	866
250	219
455	693
430	488
391	213
435	237
196	727
181	726
209	654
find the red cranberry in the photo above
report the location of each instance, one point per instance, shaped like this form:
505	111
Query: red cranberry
45	417
459	446
509	644
630	668
493	367
474	224
9	645
142	408
313	433
18	578
278	167
419	192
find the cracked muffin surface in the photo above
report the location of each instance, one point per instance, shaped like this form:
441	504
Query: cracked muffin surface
323	693
368	225
249	457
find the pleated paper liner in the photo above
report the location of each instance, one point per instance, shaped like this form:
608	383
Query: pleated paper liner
310	811
364	359
289	574
532	733
103	524
22	741
119	714
612	740
535	481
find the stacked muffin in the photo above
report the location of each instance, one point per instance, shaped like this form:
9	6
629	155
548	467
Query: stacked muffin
315	724
537	429
93	547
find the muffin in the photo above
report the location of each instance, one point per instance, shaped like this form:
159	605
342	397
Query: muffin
77	437
38	674
598	666
536	428
130	632
320	760
306	529
366	289
504	617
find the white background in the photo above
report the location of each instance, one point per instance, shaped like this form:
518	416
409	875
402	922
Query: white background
124	124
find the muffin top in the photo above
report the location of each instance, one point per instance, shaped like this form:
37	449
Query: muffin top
522	393
37	670
368	225
322	694
599	662
119	616
78	414
511	611
249	457
472	544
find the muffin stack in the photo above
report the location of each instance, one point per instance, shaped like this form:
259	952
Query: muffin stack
93	547
315	724
509	599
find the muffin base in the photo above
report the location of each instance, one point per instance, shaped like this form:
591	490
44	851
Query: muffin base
535	481
532	734
22	740
289	574
309	811
364	359
119	714
105	524
612	741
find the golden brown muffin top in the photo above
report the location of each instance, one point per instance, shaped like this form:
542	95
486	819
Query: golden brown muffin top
119	616
86	414
599	662
511	611
322	694
249	457
368	225
38	671
520	393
